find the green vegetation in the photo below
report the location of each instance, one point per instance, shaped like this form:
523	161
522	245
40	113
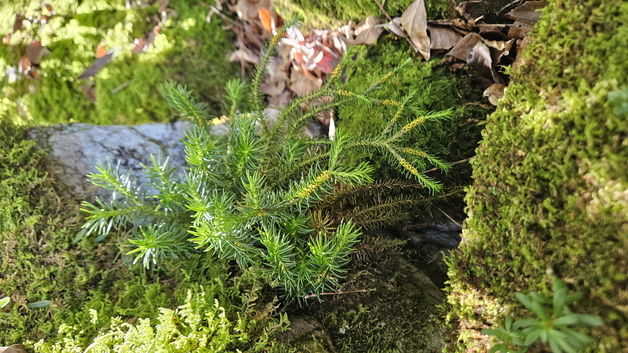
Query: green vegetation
325	13
549	179
250	196
553	324
124	91
432	88
200	324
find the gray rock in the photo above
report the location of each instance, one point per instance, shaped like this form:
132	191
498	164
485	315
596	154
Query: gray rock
76	149
442	236
14	348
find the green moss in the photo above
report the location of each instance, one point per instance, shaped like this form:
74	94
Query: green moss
550	182
187	48
326	13
40	261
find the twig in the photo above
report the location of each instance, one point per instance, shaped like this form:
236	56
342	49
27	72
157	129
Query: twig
392	23
508	6
450	218
309	296
120	87
453	163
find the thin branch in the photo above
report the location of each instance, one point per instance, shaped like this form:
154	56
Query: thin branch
310	296
450	218
453	163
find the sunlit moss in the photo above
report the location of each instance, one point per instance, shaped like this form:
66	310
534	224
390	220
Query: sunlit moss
550	184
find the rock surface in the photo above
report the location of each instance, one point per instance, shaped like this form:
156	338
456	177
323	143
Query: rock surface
15	348
76	149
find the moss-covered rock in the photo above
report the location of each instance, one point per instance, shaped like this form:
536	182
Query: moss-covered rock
395	310
550	187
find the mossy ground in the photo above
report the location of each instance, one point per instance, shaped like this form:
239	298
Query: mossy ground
187	48
398	313
550	185
41	261
331	13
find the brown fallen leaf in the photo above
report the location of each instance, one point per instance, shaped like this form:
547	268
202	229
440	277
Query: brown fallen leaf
470	9
414	22
494	92
97	66
266	18
394	26
25	65
461	50
35	52
480	60
528	12
101	51
302	84
368	31
521	45
442	37
519	29
244	55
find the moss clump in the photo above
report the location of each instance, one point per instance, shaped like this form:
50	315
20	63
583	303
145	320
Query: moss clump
325	13
398	313
187	47
39	261
550	181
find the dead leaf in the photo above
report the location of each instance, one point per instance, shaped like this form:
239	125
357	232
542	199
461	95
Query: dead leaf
25	65
528	12
101	51
368	31
35	52
302	84
244	55
414	22
471	10
97	66
521	45
442	37
519	29
17	24
461	50
266	18
395	27
480	60
494	92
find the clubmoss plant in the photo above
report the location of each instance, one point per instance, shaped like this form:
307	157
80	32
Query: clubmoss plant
249	194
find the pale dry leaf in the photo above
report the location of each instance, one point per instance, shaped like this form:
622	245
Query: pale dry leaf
442	37
461	50
414	22
481	62
368	31
244	55
302	84
494	92
394	26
